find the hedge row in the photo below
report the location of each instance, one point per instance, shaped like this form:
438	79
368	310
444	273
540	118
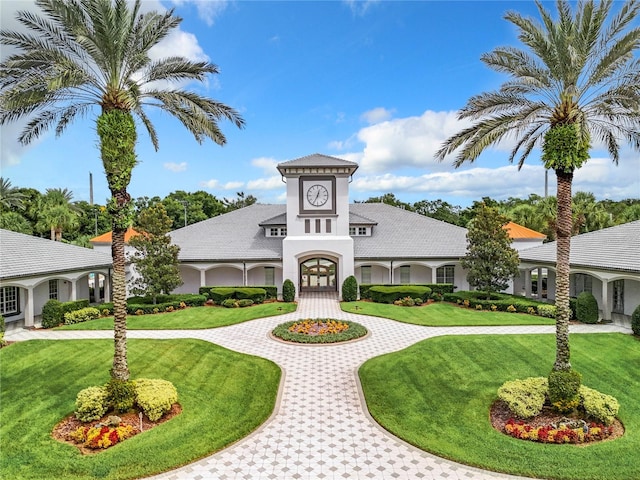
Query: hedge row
381	294
220	294
146	307
271	290
440	288
500	300
53	311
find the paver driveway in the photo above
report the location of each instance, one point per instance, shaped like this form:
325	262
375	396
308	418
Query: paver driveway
320	429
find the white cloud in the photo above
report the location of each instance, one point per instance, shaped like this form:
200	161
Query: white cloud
175	167
233	185
406	142
213	183
270	183
266	164
376	115
208	10
360	7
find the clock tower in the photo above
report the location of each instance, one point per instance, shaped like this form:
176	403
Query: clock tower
317	253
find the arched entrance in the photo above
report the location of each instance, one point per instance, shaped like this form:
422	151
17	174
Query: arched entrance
318	274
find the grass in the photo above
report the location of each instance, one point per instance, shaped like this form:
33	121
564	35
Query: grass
436	395
443	314
190	318
225	395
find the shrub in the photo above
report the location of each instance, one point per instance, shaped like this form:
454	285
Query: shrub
478	307
572	306
229	303
2	324
587	308
155	396
418	301
563	389
525	398
51	314
244	302
440	288
220	294
350	289
288	291
635	320
511	309
91	404
271	290
382	294
599	405
548	311
121	394
82	315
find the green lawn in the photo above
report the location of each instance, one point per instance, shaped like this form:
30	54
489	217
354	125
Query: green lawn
443	314
190	318
436	395
225	395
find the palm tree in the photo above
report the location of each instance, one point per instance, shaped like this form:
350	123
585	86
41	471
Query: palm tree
83	54
56	212
575	80
10	197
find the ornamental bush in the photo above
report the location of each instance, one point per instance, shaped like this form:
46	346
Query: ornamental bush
587	308
635	320
383	294
548	311
288	291
525	398
598	405
53	311
91	404
350	289
82	315
229	303
121	394
220	294
564	389
155	396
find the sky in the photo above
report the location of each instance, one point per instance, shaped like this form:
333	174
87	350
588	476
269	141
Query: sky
375	82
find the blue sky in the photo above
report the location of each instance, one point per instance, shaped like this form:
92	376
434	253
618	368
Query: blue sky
376	82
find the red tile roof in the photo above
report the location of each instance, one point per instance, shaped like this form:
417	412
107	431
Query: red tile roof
106	237
519	232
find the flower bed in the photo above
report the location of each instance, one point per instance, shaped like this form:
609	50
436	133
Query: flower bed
319	330
563	432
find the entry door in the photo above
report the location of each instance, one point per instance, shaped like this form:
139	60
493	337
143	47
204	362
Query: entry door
318	274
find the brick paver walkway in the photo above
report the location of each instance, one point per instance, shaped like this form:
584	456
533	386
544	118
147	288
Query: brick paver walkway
320	428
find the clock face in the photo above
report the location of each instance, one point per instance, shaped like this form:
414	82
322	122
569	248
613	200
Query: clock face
317	195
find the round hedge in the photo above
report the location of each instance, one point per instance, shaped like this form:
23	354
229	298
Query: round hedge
635	321
355	331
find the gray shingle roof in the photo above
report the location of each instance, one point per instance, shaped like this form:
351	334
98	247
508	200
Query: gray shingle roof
25	256
403	234
318	160
614	248
237	235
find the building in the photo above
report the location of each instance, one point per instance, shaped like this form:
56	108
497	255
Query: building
34	270
317	239
605	262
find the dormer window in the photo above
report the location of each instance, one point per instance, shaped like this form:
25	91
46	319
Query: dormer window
277	232
359	231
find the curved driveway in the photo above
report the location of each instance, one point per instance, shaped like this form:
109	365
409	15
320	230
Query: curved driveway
320	428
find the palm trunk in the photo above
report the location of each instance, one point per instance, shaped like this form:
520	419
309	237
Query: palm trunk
563	238
120	369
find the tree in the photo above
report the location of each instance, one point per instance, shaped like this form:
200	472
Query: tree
575	81
156	260
15	222
490	261
57	213
95	54
10	197
241	201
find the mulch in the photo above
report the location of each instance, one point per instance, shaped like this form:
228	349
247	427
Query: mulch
63	430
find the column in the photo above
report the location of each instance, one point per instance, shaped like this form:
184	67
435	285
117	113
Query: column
74	284
107	287
434	275
527	283
28	308
203	278
539	292
606	309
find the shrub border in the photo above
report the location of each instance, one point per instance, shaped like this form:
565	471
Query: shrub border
355	332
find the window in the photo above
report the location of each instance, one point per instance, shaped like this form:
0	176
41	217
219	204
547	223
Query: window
405	274
362	230
352	231
9	301
307	226
445	274
328	229
365	274
273	232
618	296
317	225
269	276
283	232
53	289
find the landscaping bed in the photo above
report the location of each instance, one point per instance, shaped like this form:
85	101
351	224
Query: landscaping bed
319	331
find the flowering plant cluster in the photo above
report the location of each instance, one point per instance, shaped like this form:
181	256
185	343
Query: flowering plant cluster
102	436
564	433
318	327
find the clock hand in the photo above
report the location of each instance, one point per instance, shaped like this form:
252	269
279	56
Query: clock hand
317	195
